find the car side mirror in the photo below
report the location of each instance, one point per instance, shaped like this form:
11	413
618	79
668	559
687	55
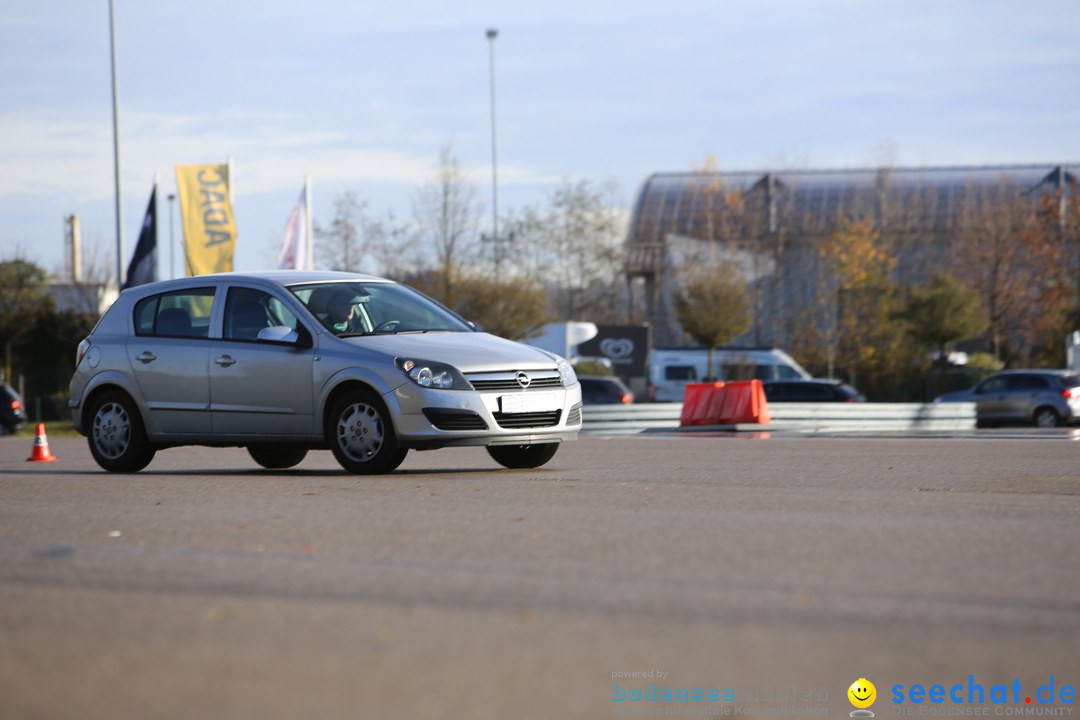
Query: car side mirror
280	335
475	326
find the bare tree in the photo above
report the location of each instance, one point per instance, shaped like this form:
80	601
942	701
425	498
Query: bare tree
345	242
1008	251
447	216
576	242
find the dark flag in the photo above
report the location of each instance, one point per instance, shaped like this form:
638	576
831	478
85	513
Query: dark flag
143	267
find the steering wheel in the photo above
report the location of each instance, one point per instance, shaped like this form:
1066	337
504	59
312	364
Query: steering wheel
386	326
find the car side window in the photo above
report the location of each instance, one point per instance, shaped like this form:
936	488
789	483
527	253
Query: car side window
248	311
991	386
1028	382
680	372
184	313
786	372
776	391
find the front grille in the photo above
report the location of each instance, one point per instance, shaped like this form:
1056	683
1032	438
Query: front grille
528	420
445	419
507	381
574	416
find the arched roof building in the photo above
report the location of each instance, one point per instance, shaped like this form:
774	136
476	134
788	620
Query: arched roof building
770	222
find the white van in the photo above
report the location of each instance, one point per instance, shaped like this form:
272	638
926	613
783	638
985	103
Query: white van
670	369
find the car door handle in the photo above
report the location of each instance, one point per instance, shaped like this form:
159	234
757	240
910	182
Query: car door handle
146	357
225	361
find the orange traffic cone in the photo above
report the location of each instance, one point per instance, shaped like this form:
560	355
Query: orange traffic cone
41	447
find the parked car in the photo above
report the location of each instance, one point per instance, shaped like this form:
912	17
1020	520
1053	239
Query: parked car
285	362
602	390
12	410
670	369
1044	398
811	391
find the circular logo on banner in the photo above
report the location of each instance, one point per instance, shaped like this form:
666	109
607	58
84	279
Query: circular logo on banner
617	348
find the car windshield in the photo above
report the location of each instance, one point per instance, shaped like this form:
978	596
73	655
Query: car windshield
353	308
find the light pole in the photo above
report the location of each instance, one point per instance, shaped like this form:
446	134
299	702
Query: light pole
492	33
116	153
172	240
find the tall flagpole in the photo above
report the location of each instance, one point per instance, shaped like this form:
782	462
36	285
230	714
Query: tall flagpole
492	33
116	153
308	224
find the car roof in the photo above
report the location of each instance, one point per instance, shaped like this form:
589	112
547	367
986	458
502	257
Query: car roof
805	381
276	277
1028	371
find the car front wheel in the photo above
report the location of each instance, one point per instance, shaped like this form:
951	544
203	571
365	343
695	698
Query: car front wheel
523	456
361	435
1046	418
116	435
277	457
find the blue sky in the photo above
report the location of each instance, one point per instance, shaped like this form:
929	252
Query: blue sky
362	96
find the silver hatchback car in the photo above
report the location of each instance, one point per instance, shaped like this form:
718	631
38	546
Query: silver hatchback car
285	362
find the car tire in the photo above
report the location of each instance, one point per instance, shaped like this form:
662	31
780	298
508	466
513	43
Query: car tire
277	457
361	434
522	456
1046	417
116	434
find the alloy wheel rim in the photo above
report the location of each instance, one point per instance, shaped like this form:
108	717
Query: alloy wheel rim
360	432
112	430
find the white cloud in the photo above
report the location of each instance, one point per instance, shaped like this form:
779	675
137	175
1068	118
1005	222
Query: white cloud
44	154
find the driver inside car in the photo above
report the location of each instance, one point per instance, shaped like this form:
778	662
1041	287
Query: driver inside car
341	311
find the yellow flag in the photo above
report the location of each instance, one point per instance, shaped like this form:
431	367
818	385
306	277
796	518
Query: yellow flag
207	215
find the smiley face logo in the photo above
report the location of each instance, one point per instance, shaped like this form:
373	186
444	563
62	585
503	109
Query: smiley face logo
862	693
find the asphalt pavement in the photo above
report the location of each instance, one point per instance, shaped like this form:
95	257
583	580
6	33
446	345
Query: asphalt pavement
781	568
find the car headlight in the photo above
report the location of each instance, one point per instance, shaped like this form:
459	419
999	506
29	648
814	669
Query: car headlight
566	373
433	374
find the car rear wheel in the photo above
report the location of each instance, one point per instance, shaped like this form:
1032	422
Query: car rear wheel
277	457
116	434
1046	417
523	456
361	435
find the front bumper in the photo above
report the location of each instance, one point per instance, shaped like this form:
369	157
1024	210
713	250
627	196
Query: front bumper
470	417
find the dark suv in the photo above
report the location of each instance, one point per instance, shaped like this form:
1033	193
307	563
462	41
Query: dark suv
12	410
1044	398
810	391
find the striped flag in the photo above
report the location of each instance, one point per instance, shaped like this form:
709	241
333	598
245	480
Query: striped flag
296	247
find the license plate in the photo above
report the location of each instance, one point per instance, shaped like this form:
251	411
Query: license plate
530	402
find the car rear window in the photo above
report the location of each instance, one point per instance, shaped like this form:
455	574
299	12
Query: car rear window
185	313
1070	381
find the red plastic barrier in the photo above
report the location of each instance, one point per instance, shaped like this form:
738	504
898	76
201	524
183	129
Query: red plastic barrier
725	403
697	401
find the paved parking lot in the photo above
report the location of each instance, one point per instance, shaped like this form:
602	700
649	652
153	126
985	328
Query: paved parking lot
204	587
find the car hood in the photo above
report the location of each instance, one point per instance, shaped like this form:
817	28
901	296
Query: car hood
467	351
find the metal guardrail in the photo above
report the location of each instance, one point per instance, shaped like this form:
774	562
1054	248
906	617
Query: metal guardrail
802	417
